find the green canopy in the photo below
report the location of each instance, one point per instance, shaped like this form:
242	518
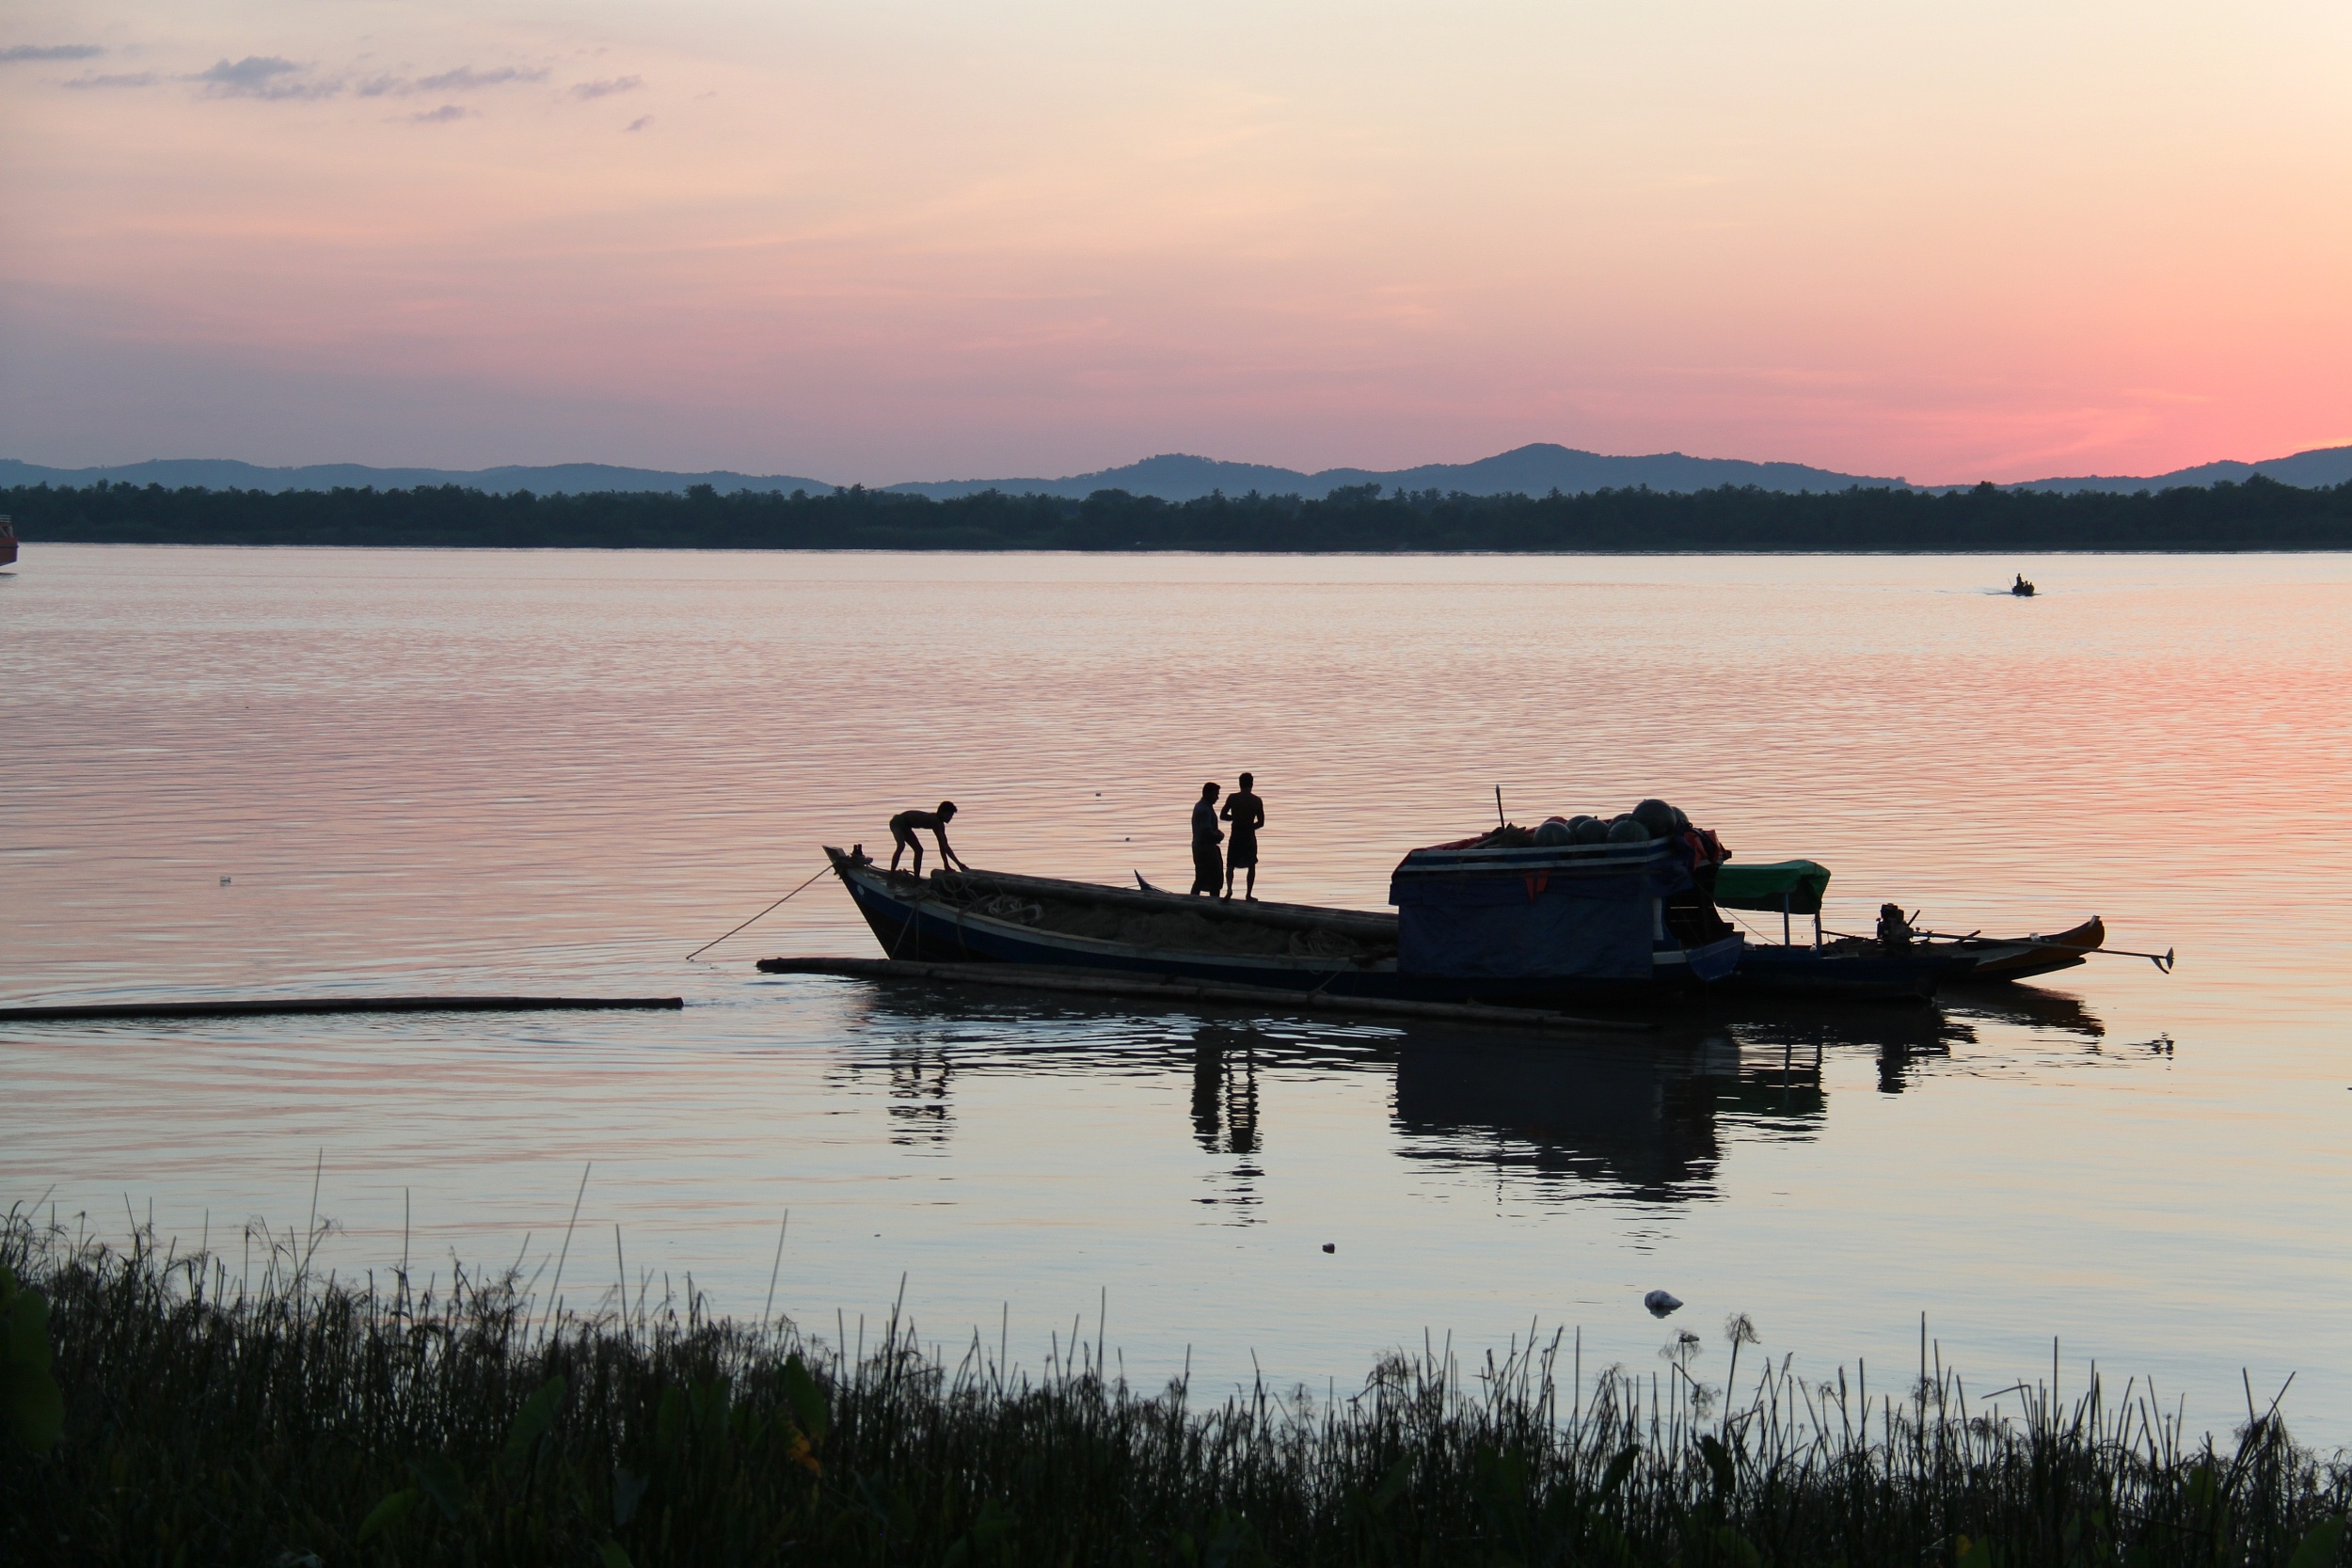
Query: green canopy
1796	886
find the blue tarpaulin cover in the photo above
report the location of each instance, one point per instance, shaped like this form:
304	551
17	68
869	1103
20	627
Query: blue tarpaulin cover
1510	913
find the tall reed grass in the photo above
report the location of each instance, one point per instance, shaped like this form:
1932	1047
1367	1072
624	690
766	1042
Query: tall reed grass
296	1420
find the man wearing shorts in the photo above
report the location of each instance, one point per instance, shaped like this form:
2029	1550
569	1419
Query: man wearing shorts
1247	812
904	825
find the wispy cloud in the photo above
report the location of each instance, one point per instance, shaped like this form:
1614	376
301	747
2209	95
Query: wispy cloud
467	79
607	88
261	76
50	52
464	79
442	116
131	79
639	123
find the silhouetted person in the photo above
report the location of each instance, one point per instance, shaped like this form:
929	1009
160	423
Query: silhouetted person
904	825
1247	812
1208	866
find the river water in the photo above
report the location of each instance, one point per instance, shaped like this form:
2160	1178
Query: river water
243	771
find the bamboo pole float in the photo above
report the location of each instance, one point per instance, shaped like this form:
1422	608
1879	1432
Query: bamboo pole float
265	1007
1136	987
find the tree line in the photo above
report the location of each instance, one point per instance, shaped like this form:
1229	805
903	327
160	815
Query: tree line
2258	513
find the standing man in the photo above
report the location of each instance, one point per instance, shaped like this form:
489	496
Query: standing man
904	825
1208	866
1247	812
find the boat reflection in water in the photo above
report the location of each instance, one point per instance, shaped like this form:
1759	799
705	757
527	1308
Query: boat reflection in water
1647	1119
1633	1120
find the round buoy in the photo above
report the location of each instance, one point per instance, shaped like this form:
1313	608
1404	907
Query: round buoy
1655	815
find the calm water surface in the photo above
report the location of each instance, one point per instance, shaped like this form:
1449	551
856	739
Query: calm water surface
245	771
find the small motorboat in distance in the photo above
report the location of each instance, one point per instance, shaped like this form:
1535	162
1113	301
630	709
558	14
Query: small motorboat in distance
8	543
2023	589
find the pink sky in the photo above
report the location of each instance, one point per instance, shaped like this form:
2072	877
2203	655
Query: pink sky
886	241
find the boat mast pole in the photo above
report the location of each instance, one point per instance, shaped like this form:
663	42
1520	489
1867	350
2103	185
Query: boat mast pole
1785	939
1500	821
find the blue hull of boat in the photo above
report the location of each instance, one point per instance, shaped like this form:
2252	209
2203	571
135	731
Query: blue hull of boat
929	931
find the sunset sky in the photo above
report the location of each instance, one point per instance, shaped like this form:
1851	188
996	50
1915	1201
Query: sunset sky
909	240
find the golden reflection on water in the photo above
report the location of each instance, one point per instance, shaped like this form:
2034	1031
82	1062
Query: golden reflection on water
562	771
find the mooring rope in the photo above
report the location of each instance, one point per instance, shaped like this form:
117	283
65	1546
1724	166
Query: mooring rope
761	915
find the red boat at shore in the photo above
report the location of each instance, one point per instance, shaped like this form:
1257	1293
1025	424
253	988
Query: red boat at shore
8	543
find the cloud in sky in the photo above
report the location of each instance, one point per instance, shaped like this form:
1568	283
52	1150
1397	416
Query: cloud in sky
930	239
465	79
261	76
50	52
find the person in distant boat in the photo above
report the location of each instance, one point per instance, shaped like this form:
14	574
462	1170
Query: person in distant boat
1208	865
1247	812
904	825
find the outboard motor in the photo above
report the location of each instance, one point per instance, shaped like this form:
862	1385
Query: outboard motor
1895	932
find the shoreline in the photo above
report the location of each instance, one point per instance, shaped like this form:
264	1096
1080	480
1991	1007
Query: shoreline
318	1418
2258	514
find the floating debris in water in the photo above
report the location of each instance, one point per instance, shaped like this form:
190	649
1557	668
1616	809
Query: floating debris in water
1660	1304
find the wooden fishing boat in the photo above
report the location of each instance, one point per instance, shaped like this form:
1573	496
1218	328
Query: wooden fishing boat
2016	958
1899	964
1844	968
1531	928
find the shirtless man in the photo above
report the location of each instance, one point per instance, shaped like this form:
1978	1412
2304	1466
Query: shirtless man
1247	812
904	825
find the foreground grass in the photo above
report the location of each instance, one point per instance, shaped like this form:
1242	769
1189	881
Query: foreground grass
312	1422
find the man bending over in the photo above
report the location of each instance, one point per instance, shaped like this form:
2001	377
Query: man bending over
904	825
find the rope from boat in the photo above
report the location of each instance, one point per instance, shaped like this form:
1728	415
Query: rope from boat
914	912
761	915
1327	980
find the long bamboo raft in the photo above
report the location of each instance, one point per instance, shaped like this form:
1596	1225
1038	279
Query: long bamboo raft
270	1006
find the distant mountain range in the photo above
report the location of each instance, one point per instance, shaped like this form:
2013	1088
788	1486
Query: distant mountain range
1533	470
